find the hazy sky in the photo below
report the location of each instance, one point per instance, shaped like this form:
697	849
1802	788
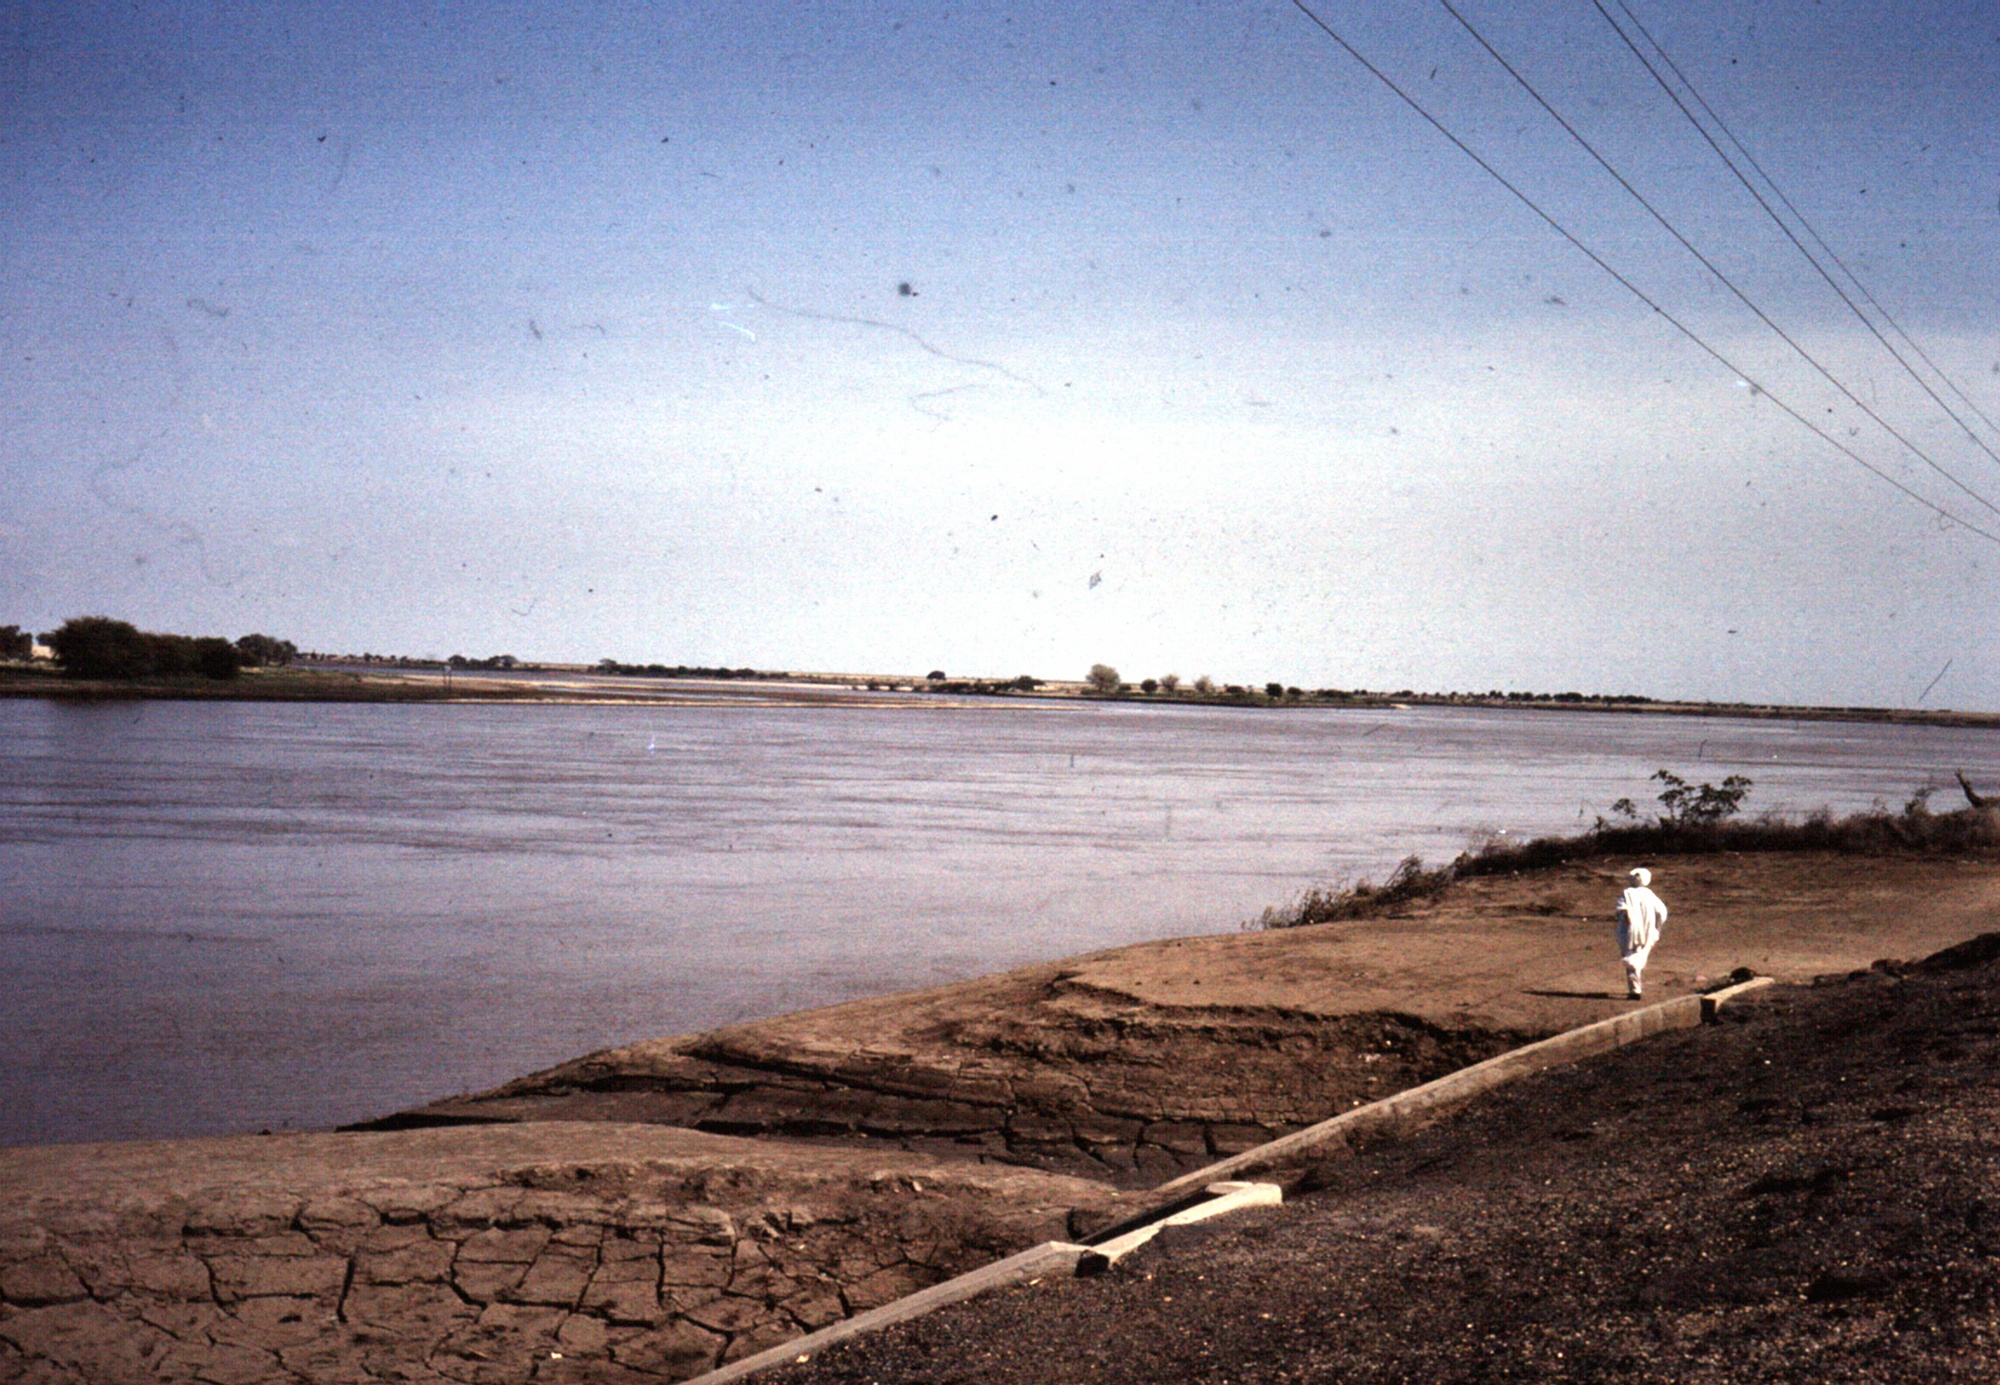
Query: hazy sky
1001	338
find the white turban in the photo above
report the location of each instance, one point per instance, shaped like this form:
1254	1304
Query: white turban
1642	875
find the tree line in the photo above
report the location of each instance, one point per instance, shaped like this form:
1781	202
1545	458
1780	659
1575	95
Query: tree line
100	647
1104	680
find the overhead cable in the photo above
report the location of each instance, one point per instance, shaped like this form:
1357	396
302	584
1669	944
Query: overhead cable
1627	284
1709	264
1769	211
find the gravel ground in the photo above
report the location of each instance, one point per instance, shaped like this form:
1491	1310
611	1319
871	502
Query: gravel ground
1809	1190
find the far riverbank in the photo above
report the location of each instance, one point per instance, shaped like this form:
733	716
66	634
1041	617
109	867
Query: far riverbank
588	684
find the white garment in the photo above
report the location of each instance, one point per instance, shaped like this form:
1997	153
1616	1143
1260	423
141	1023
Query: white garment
1640	914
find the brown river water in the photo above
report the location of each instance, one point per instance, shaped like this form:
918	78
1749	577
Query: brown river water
224	917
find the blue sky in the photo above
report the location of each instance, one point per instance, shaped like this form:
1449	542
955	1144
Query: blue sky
573	331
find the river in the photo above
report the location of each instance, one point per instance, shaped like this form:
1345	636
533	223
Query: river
223	917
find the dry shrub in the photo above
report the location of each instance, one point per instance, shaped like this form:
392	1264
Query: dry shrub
1968	832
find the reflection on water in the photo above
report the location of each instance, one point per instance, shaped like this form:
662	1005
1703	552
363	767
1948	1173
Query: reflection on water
221	917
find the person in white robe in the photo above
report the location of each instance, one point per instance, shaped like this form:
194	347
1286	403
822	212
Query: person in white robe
1640	914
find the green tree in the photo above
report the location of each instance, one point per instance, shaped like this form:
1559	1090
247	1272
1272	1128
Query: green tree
215	657
100	647
262	651
173	655
1103	678
1690	805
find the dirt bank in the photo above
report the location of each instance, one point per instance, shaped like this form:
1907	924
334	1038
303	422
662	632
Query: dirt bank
475	1254
1805	1192
1135	1064
565	1216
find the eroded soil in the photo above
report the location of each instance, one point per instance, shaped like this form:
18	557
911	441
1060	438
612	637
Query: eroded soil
1808	1191
1136	1064
475	1254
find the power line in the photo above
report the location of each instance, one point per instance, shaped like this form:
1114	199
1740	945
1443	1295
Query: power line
1626	283
1709	264
1769	211
1810	229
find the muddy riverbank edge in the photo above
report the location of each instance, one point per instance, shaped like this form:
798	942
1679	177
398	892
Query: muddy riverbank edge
573	1221
1803	1191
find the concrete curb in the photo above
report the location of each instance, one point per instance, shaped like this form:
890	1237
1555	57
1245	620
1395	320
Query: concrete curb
1050	1257
1228	1197
1415	1106
1712	1003
1214	1190
1037	1262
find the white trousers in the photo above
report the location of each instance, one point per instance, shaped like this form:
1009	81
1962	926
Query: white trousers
1635	963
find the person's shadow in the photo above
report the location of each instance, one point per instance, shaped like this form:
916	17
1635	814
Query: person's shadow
1577	995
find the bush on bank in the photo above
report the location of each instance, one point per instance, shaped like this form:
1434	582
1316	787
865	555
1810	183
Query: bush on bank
1916	830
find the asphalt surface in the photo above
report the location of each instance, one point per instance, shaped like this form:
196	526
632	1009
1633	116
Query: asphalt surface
1809	1190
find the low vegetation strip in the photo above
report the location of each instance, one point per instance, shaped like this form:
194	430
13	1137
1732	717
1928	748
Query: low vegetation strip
1694	821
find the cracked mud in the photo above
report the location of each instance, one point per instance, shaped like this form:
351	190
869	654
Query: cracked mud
546	1253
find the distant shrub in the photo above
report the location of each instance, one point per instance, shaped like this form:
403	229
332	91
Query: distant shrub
612	666
100	647
1102	678
1691	806
1274	690
215	657
1204	685
1332	903
262	651
1147	685
1170	681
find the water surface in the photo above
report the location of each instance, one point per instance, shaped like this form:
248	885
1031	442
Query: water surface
229	916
